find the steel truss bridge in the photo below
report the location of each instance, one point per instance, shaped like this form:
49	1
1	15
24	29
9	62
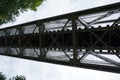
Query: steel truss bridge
88	39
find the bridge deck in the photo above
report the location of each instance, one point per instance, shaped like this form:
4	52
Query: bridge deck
88	39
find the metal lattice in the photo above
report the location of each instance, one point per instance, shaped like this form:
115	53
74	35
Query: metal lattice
88	39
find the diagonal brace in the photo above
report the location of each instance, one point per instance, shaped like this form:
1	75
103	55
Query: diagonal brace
106	59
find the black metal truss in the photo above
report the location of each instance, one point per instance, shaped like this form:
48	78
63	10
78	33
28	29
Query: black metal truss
73	39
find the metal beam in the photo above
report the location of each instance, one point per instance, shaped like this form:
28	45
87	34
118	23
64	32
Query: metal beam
106	59
75	40
40	40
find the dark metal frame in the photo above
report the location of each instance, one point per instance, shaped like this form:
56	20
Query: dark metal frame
71	24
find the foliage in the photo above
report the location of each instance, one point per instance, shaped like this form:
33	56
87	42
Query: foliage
18	78
2	76
9	9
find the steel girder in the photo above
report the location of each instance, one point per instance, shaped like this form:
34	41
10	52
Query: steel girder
73	39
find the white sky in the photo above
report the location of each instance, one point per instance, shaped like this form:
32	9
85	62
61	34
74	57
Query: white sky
33	70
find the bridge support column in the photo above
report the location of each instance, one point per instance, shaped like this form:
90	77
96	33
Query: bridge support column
75	59
7	49
41	39
21	49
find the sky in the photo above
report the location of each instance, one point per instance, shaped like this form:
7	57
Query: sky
33	70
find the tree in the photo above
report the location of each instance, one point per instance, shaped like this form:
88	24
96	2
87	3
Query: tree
2	76
10	9
18	78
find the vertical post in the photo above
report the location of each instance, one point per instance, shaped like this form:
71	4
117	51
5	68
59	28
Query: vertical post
21	48
75	40
41	41
5	44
